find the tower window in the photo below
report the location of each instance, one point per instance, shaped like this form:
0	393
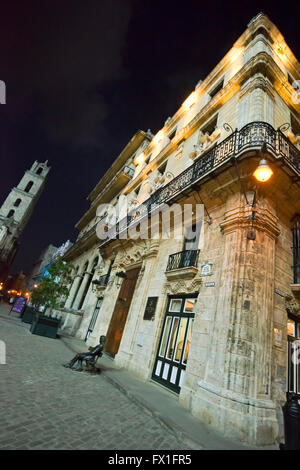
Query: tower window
39	170
10	214
28	187
17	202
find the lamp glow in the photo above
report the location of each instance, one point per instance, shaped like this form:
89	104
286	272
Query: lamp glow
263	172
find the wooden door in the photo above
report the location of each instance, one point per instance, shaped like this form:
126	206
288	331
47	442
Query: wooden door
119	316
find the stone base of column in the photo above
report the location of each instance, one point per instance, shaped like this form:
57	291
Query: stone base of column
235	416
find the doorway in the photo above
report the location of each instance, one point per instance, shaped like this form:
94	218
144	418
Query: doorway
174	345
119	316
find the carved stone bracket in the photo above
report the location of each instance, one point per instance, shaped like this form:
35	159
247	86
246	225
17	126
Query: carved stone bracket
182	287
292	305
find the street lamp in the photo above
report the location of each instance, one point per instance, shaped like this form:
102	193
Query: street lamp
263	172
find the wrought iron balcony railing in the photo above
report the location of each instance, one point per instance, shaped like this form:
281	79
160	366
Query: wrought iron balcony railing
251	137
183	259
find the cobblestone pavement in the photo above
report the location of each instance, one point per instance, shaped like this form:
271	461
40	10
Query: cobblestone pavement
45	406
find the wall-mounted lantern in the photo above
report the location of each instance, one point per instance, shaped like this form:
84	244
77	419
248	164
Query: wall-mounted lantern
121	275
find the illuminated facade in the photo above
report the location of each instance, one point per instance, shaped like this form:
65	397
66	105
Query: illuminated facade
16	211
209	323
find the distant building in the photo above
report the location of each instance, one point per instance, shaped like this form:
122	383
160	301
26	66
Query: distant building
16	284
46	258
39	265
16	211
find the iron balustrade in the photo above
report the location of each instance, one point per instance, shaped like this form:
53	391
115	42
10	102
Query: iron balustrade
183	259
251	137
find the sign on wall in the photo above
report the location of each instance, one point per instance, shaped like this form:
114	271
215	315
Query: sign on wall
150	308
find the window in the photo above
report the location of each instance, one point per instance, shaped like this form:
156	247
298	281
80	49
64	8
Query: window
210	126
147	160
295	126
216	89
28	187
10	214
17	202
172	134
137	190
162	168
191	238
39	170
290	79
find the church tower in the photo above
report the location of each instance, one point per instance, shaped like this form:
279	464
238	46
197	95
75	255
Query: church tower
16	211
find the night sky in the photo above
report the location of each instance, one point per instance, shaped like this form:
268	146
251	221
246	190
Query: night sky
83	76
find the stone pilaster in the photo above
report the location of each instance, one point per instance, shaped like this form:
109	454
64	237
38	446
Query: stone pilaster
77	300
234	395
73	290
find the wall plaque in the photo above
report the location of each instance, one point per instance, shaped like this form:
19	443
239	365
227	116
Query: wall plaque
150	308
206	269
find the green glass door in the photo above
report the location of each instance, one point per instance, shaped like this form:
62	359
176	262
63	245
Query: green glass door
174	345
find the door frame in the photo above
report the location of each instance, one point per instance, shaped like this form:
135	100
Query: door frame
112	327
189	315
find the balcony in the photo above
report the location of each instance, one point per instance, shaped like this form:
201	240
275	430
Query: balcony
250	138
182	265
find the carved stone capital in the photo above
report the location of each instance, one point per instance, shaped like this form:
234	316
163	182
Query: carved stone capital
246	217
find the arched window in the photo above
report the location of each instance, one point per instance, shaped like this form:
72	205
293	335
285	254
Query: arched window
39	170
28	187
11	213
17	202
94	265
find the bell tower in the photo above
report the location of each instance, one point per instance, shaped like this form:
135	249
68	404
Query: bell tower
16	211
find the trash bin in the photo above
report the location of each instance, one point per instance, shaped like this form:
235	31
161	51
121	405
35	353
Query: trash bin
291	419
45	326
28	315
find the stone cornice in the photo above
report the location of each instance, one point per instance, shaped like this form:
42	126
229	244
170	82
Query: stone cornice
258	82
261	63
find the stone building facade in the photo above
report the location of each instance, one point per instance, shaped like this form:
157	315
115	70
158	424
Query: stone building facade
16	211
215	324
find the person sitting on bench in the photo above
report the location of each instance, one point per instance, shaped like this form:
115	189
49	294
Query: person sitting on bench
89	357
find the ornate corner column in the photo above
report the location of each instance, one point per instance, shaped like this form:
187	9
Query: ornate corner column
234	395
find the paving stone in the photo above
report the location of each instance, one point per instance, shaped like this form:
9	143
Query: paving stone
45	406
